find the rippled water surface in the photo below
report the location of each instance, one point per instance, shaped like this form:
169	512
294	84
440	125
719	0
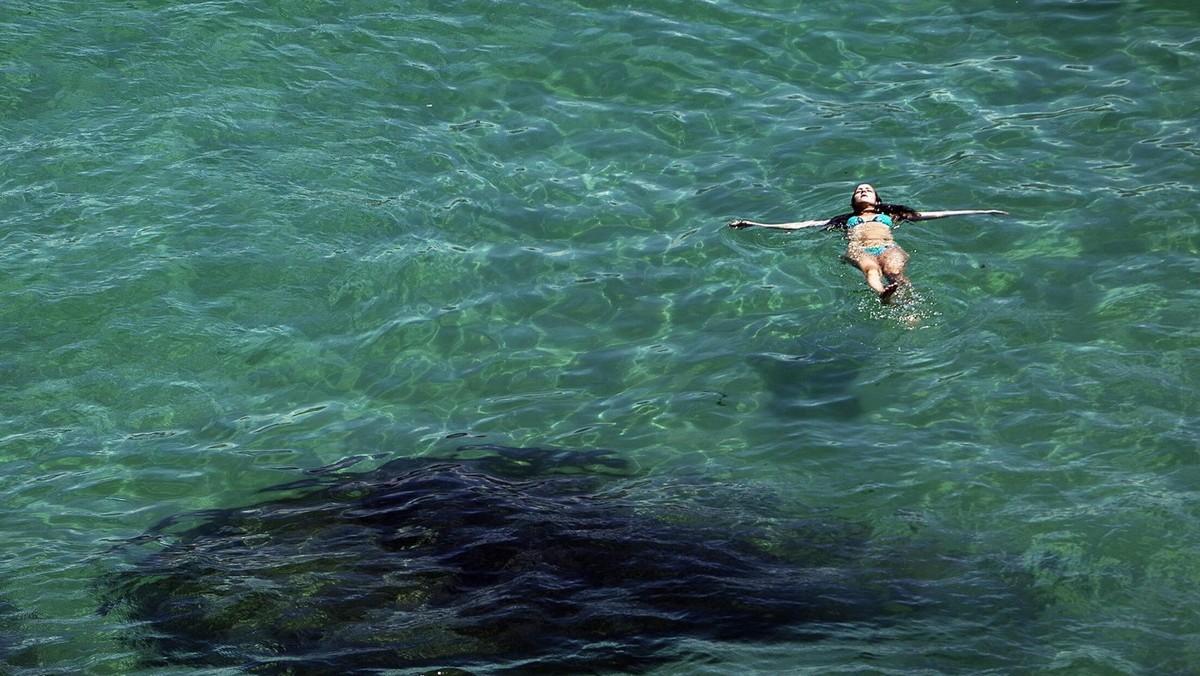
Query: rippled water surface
244	240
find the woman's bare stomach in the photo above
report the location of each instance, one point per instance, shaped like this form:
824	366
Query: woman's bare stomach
870	235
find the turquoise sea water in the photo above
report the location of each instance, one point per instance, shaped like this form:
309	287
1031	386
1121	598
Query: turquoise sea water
243	239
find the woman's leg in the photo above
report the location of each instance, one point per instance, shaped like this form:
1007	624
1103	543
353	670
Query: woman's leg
892	262
871	270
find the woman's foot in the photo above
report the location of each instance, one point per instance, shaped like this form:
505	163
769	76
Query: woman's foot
890	290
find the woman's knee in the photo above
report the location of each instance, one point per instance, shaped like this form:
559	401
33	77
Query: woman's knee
893	262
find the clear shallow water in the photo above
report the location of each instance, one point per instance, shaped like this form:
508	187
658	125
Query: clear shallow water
244	239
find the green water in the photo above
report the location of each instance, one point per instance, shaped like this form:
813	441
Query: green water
241	239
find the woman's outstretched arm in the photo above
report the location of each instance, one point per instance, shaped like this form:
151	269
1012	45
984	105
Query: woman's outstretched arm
739	224
930	215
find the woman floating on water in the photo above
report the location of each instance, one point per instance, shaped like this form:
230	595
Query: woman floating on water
869	228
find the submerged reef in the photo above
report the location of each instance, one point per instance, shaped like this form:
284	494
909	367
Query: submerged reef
490	559
15	646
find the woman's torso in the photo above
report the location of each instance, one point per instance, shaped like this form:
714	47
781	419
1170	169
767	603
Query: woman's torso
869	229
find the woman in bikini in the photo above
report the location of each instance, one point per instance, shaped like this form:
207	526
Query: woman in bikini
871	248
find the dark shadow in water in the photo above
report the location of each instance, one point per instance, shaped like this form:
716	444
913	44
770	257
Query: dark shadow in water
816	383
17	650
494	559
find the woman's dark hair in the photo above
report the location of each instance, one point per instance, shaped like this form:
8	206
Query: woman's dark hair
898	212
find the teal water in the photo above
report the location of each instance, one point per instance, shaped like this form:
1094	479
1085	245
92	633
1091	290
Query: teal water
243	239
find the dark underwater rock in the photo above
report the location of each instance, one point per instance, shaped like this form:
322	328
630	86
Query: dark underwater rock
540	561
18	648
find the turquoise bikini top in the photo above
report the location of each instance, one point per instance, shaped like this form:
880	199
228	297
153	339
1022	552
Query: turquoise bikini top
879	218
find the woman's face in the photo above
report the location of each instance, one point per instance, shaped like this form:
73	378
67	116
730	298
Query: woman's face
863	195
